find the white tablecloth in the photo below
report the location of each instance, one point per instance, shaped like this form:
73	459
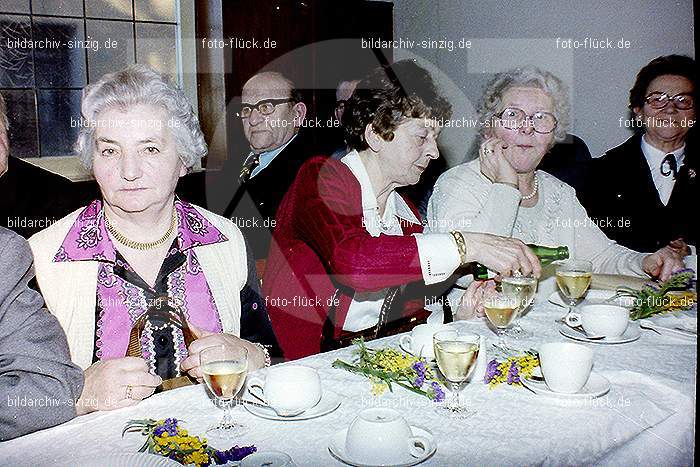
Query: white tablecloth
648	416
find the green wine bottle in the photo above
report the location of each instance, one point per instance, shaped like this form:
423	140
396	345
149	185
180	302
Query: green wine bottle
546	254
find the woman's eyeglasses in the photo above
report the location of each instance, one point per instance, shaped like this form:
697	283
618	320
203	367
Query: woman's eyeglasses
264	107
513	118
659	100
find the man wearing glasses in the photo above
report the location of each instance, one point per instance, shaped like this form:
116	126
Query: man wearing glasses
272	115
645	189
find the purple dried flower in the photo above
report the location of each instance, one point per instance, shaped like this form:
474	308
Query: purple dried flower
419	368
233	454
513	376
418	382
491	371
439	393
169	426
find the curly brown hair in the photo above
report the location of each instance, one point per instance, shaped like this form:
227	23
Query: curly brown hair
387	96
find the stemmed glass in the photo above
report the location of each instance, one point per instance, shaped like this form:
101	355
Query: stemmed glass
501	309
456	355
573	278
225	369
524	288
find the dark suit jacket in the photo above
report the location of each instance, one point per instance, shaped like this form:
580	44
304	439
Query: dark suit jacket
569	161
35	364
622	196
255	203
322	254
32	198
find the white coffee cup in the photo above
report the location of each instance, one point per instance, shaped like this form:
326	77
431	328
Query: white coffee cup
565	366
382	436
601	320
420	341
289	389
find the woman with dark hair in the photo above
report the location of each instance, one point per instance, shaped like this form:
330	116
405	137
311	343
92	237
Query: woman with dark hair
645	189
346	241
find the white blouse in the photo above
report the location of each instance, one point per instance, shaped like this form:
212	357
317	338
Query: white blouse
465	199
438	254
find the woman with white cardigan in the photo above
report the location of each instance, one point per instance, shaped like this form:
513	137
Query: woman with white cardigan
140	247
524	111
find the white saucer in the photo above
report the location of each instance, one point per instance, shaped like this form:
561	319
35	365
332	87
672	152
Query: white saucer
269	459
594	297
337	449
631	334
329	402
408	351
596	386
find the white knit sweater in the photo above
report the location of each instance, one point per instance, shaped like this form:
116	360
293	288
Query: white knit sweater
70	288
464	199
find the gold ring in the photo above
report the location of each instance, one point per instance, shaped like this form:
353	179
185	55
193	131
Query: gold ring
128	391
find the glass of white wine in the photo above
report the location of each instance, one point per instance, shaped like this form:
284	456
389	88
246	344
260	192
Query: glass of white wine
225	369
501	309
524	288
456	355
574	278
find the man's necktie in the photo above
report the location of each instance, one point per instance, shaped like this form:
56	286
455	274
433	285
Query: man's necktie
669	166
251	162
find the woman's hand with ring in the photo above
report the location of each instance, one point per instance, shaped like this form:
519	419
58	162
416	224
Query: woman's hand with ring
494	164
663	263
502	254
205	339
107	384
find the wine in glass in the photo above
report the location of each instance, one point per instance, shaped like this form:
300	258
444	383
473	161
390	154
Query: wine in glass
501	309
524	289
225	369
573	279
456	355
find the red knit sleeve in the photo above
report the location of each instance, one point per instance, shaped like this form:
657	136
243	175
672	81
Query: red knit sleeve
329	219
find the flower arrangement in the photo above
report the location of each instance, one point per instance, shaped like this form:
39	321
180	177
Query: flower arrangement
386	366
168	439
671	295
511	370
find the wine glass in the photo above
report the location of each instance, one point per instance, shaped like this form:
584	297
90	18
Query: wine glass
524	288
225	369
573	278
501	309
456	355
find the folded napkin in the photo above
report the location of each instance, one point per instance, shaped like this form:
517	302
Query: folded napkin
678	324
613	281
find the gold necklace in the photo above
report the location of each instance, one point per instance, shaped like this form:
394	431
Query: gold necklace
141	245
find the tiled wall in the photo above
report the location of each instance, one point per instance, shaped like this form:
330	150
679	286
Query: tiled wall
42	84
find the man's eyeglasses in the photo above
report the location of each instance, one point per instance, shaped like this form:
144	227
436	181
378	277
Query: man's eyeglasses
659	100
264	107
513	118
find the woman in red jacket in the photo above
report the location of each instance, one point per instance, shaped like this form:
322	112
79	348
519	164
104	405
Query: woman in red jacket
345	240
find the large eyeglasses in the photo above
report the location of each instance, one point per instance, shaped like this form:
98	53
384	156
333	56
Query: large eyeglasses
659	100
264	107
513	118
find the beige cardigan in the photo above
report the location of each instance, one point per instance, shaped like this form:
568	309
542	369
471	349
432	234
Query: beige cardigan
70	288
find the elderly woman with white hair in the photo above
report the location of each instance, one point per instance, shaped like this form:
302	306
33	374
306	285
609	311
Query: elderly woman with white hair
141	251
524	111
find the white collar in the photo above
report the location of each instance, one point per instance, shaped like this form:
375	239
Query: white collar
655	156
396	206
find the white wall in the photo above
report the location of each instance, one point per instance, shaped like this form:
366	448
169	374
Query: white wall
511	33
